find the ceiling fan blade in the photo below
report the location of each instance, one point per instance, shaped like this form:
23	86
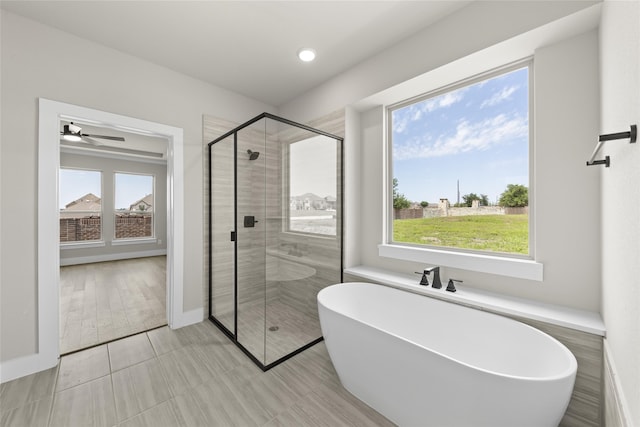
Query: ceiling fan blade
111	138
109	148
91	141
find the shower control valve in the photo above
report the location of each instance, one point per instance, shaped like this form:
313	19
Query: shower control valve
250	221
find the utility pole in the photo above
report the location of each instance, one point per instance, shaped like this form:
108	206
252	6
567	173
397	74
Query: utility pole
458	204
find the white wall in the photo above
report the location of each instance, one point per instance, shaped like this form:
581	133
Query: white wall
39	61
620	92
566	117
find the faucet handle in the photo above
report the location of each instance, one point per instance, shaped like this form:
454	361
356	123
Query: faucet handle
451	287
424	281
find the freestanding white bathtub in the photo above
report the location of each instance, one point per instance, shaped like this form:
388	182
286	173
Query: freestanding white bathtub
421	361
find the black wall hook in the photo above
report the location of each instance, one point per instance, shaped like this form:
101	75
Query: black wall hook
632	135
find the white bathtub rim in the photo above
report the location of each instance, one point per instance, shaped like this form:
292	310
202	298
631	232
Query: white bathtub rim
570	371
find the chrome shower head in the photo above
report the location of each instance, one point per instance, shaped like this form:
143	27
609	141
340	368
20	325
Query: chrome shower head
253	154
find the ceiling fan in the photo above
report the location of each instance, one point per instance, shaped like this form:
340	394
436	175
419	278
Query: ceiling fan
74	133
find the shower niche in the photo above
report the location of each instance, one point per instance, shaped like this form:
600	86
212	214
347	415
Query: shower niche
275	234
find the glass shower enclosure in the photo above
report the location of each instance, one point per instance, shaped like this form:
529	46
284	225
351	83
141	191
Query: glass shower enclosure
275	234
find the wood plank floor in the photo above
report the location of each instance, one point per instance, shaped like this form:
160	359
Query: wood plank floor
108	300
192	376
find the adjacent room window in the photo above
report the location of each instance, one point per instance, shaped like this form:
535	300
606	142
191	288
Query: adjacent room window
134	206
80	205
460	165
313	185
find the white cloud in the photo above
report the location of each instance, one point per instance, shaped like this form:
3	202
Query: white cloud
414	112
450	98
468	136
498	97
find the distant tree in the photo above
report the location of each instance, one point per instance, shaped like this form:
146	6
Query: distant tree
469	198
424	204
399	201
515	196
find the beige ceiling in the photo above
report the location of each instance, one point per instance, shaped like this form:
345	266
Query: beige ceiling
248	47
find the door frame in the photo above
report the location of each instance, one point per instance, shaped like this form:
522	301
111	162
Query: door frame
50	114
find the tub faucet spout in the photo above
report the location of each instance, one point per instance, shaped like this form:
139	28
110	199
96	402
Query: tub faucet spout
436	283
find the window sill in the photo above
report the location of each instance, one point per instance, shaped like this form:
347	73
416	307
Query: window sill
579	320
503	266
142	241
83	245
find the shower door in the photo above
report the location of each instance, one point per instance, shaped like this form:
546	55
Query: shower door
251	238
276	235
222	232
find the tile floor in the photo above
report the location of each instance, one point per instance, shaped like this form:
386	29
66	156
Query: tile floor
295	329
104	301
192	376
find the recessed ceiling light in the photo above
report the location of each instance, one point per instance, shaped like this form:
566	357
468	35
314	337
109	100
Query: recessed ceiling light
306	54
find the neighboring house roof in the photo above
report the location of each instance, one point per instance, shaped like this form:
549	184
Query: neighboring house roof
88	202
146	201
311	196
309	200
306	196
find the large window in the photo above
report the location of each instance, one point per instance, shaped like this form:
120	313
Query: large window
460	165
134	204
80	205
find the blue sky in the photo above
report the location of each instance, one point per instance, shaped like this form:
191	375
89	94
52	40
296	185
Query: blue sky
476	134
131	188
75	183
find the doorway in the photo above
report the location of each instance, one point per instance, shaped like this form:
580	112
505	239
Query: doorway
113	234
51	114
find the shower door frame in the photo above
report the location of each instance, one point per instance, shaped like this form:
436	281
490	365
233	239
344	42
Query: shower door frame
233	336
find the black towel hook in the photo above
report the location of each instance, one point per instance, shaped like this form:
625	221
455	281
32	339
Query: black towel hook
631	134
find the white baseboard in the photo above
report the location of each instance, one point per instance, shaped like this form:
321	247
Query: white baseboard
616	412
111	257
188	318
25	365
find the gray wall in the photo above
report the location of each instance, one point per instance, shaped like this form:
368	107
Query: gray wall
109	167
106	80
620	86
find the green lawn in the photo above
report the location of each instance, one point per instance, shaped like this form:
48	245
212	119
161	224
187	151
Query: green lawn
497	233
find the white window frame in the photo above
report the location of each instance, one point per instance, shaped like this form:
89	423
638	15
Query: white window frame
512	265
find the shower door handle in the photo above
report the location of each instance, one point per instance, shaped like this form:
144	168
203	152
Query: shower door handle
250	221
